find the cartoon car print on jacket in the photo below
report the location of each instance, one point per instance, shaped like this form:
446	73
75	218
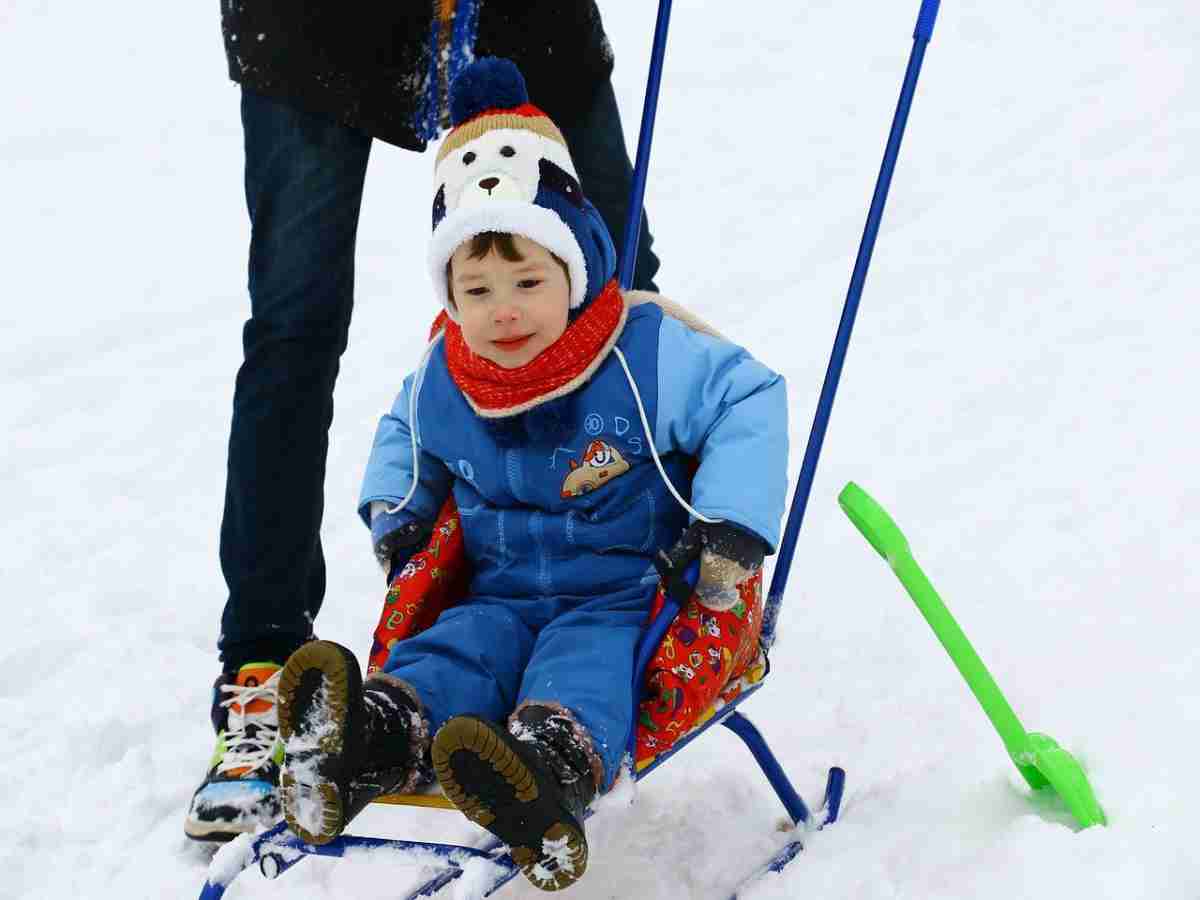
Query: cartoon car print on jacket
601	464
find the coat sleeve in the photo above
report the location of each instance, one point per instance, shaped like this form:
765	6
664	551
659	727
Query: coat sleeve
389	474
718	403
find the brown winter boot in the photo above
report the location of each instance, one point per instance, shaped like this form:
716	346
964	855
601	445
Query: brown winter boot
530	786
345	742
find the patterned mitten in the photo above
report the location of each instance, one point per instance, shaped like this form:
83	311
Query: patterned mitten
728	556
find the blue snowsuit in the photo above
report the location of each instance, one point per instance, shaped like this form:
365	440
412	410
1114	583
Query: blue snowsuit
562	528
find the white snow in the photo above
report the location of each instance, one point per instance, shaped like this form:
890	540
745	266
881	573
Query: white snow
1020	393
478	875
229	861
563	856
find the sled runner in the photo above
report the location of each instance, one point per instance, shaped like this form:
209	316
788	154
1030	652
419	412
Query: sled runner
487	867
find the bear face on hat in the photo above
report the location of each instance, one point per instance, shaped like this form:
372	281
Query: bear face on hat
505	167
501	164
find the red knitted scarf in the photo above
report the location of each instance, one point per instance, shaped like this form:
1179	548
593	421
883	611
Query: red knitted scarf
494	391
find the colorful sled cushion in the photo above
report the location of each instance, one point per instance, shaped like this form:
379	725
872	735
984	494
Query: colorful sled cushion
705	659
434	579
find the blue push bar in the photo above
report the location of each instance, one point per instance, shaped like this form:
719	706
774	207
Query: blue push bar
925	20
808	470
633	217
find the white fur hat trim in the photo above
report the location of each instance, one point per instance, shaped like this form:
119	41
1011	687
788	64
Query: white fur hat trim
526	219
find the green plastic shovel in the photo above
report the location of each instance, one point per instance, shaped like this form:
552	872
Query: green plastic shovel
1038	757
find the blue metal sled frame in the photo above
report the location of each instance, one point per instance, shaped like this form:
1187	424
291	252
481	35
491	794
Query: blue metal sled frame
277	850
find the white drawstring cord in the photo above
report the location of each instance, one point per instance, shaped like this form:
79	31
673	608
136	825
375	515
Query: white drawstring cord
412	421
637	396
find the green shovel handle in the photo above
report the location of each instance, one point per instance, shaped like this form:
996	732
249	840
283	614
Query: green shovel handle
1039	759
889	542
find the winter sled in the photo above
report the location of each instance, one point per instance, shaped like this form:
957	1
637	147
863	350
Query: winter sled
735	639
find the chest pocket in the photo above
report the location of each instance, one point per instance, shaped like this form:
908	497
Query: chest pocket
629	527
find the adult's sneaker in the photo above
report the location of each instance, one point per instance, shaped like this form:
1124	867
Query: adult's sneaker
241	789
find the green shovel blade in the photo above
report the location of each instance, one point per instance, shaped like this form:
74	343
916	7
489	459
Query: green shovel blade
1039	759
1067	778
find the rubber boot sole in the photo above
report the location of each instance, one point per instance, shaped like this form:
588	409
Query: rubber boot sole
487	780
315	711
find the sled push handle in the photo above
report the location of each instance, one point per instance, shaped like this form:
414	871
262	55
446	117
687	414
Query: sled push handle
637	194
837	358
922	34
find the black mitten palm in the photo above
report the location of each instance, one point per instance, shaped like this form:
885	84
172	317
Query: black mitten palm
728	555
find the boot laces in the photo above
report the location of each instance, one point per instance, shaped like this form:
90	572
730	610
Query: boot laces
250	737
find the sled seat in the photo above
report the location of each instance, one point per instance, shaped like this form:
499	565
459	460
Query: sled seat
433	798
701	659
275	851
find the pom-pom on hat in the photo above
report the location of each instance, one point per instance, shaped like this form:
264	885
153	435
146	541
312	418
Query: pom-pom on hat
505	167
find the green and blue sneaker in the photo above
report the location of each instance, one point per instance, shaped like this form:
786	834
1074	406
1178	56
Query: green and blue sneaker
241	790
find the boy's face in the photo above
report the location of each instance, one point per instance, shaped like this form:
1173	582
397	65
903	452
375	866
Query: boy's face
510	311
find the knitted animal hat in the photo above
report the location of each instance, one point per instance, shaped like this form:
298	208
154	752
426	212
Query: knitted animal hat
505	167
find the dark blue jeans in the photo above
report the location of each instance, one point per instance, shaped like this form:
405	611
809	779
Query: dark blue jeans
304	184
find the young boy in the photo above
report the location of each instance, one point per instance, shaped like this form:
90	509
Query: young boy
567	424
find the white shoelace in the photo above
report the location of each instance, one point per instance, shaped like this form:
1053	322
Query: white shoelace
242	749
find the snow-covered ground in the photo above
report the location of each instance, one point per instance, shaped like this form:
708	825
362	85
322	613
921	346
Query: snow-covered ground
1020	393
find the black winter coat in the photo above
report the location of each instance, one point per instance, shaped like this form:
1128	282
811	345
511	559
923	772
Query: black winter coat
380	66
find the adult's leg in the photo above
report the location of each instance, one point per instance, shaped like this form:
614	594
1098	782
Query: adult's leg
597	146
304	182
